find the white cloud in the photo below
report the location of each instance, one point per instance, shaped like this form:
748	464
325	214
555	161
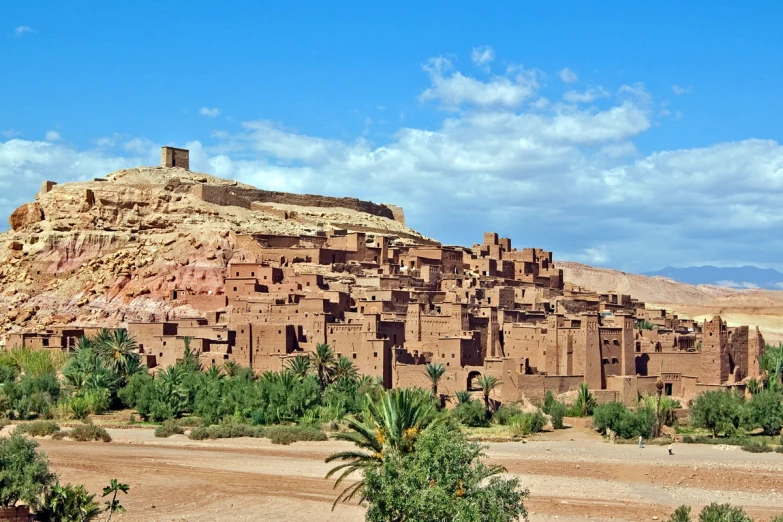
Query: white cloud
454	90
11	133
53	136
483	55
679	91
588	96
22	29
209	112
568	76
565	177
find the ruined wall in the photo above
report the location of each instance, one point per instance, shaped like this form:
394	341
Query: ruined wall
245	197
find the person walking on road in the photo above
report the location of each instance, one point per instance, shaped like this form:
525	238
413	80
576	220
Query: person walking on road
640	442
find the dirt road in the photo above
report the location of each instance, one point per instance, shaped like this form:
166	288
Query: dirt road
572	476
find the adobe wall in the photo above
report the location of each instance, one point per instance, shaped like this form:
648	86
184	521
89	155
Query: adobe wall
399	215
534	387
245	197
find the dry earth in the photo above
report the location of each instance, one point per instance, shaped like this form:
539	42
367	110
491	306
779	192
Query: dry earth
762	308
572	475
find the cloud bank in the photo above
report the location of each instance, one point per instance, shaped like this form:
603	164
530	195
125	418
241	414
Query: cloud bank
558	172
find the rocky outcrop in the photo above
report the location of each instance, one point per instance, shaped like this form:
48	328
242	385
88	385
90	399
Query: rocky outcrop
25	215
110	251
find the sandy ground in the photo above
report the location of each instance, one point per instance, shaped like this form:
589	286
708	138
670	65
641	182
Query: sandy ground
572	476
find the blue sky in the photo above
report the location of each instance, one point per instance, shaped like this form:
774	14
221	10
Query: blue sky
626	135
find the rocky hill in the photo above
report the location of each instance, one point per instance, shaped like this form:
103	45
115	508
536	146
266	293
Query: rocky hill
110	250
762	308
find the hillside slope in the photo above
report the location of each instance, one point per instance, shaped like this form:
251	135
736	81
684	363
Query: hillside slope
762	308
110	251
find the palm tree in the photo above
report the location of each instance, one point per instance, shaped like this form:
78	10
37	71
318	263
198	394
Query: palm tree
487	383
231	368
189	359
324	362
585	401
213	373
344	369
299	366
116	349
390	426
171	389
464	396
434	373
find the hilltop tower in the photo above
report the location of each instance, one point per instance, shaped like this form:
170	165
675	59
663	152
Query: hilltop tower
173	157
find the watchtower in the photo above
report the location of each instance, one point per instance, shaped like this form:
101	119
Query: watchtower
173	157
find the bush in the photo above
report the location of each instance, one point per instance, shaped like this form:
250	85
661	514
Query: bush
289	434
39	428
506	413
704	439
68	503
527	423
723	513
25	472
681	514
443	479
626	423
471	414
226	431
169	428
556	413
718	411
756	446
549	400
765	410
78	407
89	432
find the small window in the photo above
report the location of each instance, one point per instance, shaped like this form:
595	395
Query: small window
264	277
46	342
354	355
614	360
375	354
308	283
452	355
252	274
373	298
243	331
237	274
235	289
164	343
279	331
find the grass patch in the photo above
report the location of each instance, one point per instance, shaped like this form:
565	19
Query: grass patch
40	428
169	428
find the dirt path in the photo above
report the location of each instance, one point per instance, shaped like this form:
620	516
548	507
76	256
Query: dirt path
569	480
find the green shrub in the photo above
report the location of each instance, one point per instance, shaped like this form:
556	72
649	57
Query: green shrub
779	449
169	428
39	428
778	518
506	413
556	413
190	422
226	431
626	423
723	513
89	432
756	446
4	421
549	400
704	439
25	472
765	410
527	423
68	503
471	414
78	407
289	434
718	411
681	514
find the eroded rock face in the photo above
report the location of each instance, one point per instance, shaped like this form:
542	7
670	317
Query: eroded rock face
25	215
108	252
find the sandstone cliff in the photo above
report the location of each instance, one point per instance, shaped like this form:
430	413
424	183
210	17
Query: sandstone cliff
111	250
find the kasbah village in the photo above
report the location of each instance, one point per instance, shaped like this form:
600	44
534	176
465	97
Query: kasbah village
191	265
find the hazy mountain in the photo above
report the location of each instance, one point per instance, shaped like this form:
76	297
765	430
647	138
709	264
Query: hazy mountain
732	277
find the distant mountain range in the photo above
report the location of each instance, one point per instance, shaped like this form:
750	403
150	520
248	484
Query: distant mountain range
732	277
